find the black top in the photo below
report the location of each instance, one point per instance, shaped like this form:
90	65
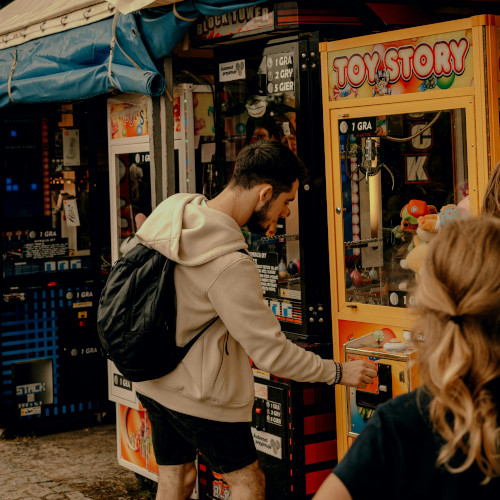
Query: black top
394	457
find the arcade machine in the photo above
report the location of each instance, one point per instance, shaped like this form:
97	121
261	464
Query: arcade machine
52	367
408	118
132	192
270	90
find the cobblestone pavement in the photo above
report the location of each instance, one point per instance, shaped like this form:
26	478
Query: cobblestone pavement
77	464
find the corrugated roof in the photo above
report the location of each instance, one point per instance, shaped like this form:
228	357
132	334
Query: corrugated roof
24	20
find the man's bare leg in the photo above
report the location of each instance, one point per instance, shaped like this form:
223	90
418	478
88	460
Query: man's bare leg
175	482
248	483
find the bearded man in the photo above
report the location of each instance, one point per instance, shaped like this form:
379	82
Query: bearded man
206	403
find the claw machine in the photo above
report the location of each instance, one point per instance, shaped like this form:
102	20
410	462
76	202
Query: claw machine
408	147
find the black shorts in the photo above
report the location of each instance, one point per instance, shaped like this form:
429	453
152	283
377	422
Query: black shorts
226	446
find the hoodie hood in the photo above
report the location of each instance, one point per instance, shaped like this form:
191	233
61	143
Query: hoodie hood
187	231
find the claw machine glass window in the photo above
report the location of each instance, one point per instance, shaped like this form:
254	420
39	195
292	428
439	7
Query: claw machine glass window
131	180
259	103
134	193
404	175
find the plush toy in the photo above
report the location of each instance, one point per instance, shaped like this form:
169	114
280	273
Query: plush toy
427	227
435	222
409	217
415	258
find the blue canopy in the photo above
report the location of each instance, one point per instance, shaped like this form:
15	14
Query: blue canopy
115	53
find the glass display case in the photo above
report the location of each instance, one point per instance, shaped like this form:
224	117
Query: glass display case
133	185
404	175
262	102
131	181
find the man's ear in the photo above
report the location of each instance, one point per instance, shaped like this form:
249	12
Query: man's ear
265	192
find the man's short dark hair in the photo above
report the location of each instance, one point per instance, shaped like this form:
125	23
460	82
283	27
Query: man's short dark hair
268	162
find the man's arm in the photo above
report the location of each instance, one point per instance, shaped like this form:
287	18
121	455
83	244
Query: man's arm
236	295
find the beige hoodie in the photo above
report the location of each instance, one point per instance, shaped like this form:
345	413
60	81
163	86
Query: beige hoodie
215	379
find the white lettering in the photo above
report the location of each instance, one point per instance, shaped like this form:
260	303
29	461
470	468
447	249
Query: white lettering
340	66
391	63
442	59
356	70
459	51
406	54
23	390
423	61
371	63
415	168
423	141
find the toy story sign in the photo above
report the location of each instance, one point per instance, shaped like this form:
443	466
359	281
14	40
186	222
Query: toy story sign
435	62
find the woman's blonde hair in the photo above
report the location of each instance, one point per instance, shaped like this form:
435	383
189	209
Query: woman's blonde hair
491	201
458	317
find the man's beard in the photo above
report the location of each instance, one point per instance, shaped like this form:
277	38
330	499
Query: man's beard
255	223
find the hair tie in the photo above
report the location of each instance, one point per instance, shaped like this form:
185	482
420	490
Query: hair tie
457	319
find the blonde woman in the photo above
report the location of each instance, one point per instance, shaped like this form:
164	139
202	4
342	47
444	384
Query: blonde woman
491	202
441	441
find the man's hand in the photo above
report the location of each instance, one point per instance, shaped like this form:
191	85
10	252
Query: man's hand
358	373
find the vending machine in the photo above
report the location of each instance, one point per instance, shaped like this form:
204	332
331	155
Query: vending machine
131	194
53	252
408	148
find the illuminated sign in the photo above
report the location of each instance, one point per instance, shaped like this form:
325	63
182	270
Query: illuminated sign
400	67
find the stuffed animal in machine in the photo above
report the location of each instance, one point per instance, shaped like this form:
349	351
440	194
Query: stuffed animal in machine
409	219
424	234
448	213
427	228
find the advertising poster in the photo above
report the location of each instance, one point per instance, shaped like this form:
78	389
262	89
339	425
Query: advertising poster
203	108
136	446
436	62
71	147
128	119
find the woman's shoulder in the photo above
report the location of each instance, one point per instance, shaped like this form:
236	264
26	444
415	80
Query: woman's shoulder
408	409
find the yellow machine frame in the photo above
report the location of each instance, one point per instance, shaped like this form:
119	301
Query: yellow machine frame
480	102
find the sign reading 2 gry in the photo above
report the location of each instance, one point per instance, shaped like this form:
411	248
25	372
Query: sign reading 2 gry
280	73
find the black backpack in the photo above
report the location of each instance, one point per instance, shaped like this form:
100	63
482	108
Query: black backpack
136	317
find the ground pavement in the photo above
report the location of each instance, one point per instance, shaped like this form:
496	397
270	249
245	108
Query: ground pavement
77	464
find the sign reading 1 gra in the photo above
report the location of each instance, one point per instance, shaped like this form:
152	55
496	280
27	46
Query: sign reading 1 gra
434	62
280	73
